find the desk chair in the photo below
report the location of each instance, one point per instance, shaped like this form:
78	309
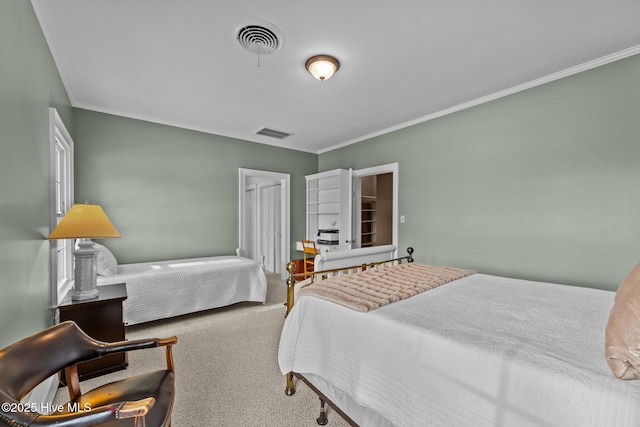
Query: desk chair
309	253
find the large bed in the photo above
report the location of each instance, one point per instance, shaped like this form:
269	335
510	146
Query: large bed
480	350
163	289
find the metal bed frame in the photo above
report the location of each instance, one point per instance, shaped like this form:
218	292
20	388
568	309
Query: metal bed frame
316	277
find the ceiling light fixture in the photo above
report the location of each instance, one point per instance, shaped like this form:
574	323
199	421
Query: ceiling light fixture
322	67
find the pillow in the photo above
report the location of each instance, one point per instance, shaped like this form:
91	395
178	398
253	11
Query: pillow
107	263
622	333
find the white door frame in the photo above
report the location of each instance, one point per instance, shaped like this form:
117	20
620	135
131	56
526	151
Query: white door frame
375	170
251	244
285	203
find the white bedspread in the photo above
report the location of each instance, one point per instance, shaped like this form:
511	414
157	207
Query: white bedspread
479	351
158	290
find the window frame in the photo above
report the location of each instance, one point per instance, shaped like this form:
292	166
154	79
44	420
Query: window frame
62	188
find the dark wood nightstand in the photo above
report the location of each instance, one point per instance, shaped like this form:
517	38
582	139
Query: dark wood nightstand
100	318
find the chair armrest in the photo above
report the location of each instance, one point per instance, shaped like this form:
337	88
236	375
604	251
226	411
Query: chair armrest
120	346
132	345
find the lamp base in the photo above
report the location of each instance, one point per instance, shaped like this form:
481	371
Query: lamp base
86	277
80	295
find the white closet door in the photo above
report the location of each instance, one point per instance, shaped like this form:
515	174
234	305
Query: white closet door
250	218
265	227
277	229
270	227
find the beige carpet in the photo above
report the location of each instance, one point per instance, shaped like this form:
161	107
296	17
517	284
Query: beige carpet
226	367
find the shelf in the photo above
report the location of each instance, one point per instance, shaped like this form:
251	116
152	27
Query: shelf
368	221
323	201
329	188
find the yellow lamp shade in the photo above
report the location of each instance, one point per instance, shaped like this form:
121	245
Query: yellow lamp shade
84	221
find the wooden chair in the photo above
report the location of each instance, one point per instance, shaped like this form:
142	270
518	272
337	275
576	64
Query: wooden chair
139	401
309	253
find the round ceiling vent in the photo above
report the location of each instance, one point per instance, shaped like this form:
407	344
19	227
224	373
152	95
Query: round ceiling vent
259	38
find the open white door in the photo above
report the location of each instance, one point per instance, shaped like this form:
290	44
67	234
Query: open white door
357	202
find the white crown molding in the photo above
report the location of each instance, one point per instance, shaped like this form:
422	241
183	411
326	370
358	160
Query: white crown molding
510	91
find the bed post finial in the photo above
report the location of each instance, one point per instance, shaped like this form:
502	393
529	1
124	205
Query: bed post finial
410	252
291	268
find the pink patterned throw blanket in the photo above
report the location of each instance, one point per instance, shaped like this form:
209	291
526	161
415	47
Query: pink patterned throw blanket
374	288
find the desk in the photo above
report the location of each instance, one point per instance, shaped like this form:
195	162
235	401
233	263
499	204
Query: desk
101	319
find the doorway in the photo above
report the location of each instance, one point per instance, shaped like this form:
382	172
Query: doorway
264	218
376	210
375	206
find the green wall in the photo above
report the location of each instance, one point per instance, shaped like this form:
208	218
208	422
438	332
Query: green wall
173	193
542	184
29	85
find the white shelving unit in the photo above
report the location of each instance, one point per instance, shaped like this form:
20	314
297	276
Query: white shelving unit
329	207
368	221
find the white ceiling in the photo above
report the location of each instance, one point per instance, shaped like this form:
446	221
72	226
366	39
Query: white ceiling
178	62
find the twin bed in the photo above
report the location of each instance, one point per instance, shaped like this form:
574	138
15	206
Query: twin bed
478	350
163	289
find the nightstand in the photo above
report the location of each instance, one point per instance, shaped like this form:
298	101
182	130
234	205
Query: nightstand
101	319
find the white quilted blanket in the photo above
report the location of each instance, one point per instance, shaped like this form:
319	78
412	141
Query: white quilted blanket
480	351
158	290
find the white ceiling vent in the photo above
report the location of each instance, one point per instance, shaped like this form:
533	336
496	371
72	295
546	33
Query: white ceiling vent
273	133
261	38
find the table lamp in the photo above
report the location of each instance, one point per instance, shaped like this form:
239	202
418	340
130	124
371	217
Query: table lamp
84	221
